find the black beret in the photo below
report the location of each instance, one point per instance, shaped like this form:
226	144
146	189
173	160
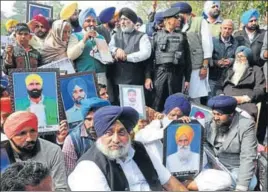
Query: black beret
183	6
129	13
223	104
171	12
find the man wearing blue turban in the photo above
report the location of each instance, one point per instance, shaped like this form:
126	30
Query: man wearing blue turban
77	89
251	35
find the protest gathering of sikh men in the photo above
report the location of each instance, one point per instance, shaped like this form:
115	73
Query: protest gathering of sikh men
134	96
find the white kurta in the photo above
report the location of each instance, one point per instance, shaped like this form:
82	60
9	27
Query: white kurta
198	88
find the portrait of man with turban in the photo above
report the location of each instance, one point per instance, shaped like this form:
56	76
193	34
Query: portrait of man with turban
43	106
184	159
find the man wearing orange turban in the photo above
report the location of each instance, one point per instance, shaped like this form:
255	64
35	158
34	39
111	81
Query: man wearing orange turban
21	128
184	159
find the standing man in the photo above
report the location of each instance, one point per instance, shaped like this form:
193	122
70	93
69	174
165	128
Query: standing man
251	36
115	163
130	49
10	26
21	128
44	107
201	47
224	47
172	60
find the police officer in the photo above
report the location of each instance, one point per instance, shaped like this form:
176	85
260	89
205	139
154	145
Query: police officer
171	60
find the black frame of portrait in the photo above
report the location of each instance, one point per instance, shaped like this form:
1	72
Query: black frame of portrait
61	114
184	175
33	4
121	97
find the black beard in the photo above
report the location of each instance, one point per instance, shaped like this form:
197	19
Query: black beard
75	23
223	127
27	151
91	132
253	27
215	14
111	25
35	93
41	34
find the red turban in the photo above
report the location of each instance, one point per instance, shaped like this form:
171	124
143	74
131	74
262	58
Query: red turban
41	19
19	120
6	105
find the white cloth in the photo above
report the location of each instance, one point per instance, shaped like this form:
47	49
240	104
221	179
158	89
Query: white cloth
207	42
87	176
198	88
174	164
144	52
39	110
3	137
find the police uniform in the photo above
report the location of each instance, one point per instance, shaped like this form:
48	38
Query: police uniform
171	62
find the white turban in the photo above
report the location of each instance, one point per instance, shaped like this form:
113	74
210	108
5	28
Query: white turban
209	4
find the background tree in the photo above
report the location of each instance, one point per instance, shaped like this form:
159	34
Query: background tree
57	6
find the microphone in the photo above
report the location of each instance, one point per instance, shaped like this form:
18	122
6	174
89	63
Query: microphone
91	28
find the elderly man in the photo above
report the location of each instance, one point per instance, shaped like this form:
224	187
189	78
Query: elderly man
171	62
70	13
115	163
224	47
184	159
40	26
26	176
212	15
244	81
22	55
251	36
44	107
130	49
77	88
21	128
201	47
83	136
81	44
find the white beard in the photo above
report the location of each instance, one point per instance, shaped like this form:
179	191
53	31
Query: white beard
239	69
184	153
127	29
114	154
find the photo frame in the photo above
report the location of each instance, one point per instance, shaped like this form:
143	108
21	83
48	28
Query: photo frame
183	149
200	112
38	91
62	64
34	9
84	81
6	154
133	96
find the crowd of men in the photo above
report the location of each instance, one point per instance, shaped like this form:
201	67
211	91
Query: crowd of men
179	58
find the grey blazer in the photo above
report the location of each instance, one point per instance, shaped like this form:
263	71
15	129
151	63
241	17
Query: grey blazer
239	150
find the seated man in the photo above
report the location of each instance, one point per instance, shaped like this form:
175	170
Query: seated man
26	176
234	142
83	136
115	163
22	131
244	81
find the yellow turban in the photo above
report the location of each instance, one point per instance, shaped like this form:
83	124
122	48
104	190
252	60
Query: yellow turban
185	130
32	77
68	10
11	23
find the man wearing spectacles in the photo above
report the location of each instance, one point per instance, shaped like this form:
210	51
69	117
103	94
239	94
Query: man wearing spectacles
251	35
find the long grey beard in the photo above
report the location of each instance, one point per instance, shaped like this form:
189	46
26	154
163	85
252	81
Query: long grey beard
184	153
239	69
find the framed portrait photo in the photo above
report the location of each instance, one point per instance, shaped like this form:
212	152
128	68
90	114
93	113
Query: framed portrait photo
34	9
37	91
63	64
183	149
201	113
133	96
74	88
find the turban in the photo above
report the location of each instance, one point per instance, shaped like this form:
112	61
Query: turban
130	14
209	4
4	82
223	104
248	15
68	10
105	117
116	15
139	20
186	130
158	18
32	77
183	6
76	82
11	23
247	52
92	103
19	120
174	101
84	14
106	15
41	19
6	105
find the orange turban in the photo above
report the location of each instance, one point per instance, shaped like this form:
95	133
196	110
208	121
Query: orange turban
6	105
186	130
19	120
116	15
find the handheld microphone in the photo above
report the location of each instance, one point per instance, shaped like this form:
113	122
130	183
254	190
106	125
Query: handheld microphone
91	28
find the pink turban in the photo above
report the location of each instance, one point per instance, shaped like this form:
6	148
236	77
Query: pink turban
19	120
41	19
